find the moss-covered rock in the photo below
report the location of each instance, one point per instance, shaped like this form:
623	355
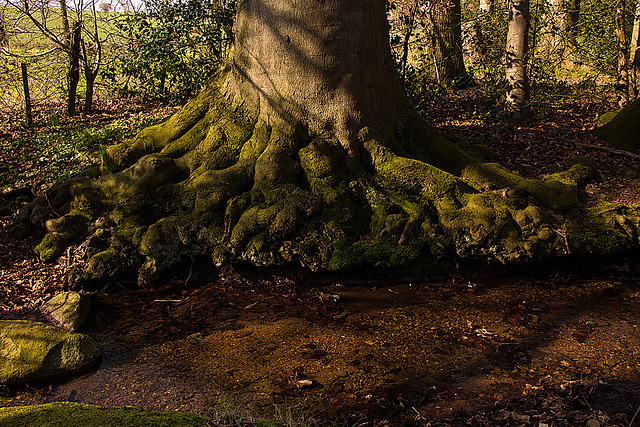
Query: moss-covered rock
67	310
622	128
33	351
70	414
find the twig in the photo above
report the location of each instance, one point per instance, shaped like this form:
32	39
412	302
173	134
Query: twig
563	234
610	150
51	207
634	417
189	277
169	300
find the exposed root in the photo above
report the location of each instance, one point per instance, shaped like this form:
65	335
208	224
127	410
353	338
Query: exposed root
224	179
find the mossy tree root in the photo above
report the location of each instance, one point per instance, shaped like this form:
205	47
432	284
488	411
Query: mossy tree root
222	178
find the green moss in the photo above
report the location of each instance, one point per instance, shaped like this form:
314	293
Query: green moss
75	414
552	193
110	264
87	204
579	174
33	351
50	248
623	128
381	252
476	148
598	231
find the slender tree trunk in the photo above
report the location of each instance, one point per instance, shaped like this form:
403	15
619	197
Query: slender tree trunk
516	59
555	27
634	55
485	6
65	20
73	69
27	96
445	17
571	19
3	34
622	85
88	97
407	37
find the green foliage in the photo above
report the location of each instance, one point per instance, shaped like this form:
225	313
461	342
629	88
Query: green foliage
597	44
174	47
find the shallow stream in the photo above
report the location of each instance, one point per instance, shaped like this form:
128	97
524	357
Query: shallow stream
410	351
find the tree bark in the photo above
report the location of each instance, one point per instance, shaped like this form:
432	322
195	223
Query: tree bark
73	69
88	96
571	20
516	59
622	84
304	149
634	55
446	18
27	96
407	38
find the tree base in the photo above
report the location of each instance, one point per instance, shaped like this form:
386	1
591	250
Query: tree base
223	179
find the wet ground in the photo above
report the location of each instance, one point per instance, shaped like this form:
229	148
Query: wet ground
487	351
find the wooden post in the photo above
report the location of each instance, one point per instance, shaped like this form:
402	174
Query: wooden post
27	97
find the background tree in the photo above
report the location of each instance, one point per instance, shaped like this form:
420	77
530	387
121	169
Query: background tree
73	32
446	36
172	48
517	49
634	57
571	20
622	84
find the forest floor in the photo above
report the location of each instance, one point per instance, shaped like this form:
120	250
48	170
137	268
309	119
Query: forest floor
555	348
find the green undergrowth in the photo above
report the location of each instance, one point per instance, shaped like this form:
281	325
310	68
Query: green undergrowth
57	149
75	414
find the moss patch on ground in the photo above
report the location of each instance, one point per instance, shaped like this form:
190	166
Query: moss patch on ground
75	414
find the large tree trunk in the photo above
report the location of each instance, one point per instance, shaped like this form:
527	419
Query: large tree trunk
303	149
516	58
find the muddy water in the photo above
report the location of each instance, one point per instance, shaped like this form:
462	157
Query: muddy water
436	349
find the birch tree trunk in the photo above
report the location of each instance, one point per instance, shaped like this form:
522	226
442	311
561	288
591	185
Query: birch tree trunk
517	100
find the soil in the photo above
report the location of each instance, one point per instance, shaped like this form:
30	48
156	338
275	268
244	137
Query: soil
542	346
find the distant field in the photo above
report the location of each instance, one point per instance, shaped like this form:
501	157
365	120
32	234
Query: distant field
46	67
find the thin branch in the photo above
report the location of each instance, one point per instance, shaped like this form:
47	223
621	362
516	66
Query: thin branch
35	55
610	150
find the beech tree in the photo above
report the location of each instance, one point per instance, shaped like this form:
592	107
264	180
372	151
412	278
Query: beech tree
305	149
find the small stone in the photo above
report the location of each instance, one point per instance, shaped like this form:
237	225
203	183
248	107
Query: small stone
67	310
593	423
